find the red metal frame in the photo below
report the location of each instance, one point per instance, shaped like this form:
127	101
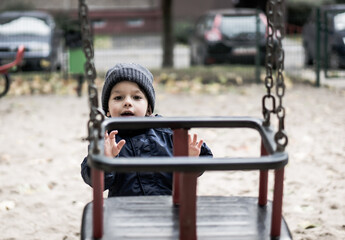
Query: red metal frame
277	202
184	190
176	189
19	58
97	212
188	206
277	195
180	139
263	181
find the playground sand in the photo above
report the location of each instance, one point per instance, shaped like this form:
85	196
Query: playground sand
42	194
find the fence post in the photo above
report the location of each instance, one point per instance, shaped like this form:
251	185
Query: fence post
325	43
257	56
318	46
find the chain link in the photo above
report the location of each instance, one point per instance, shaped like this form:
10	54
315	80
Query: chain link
269	82
96	114
280	137
275	28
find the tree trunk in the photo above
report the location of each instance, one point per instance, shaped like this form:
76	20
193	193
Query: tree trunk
168	41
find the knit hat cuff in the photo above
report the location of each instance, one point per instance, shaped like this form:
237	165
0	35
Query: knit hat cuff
128	72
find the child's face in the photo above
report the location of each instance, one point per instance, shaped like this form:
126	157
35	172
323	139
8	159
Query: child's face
126	99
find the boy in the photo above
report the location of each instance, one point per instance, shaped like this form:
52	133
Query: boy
128	92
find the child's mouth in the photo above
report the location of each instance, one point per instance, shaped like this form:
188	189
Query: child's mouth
127	114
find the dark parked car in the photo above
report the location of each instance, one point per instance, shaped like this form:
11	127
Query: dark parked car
332	36
39	34
229	36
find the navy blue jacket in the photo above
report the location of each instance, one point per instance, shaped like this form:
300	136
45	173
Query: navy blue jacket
144	143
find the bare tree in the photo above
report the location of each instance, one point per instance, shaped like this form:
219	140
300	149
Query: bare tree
168	39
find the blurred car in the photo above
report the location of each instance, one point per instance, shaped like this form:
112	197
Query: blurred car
332	42
39	34
228	36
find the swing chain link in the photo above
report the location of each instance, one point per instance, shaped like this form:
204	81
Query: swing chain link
269	98
275	28
96	114
280	137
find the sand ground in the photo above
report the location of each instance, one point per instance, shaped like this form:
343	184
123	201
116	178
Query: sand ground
42	194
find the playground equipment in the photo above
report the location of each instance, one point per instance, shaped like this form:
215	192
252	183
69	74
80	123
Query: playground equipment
6	67
184	215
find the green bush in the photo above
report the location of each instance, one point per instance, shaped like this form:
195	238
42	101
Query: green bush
182	31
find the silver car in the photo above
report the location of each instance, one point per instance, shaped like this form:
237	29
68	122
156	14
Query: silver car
35	30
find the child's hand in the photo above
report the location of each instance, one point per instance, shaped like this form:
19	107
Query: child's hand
111	148
194	146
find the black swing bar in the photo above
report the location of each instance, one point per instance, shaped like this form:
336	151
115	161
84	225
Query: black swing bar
274	160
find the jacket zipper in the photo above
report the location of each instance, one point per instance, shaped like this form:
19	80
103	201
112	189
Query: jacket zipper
137	173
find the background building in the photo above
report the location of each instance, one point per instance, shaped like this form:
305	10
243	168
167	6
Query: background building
122	16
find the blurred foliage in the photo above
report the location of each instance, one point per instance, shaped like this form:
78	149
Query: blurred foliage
103	42
223	74
41	83
182	31
212	79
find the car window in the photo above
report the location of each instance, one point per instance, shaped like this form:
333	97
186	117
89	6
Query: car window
24	26
232	26
339	22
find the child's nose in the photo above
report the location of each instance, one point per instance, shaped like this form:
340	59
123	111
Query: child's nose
128	101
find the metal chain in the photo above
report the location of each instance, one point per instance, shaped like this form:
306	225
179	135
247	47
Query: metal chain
275	28
280	137
268	101
96	114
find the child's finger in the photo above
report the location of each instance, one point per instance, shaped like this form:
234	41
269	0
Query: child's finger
121	144
195	138
189	139
112	134
200	143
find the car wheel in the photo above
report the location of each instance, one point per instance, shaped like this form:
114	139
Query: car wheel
334	62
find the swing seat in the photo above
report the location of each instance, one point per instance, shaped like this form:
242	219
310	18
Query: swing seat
184	215
155	217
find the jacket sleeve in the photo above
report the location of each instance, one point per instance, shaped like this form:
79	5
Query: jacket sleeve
205	151
109	178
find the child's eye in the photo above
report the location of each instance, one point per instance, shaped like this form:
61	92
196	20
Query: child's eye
117	98
137	97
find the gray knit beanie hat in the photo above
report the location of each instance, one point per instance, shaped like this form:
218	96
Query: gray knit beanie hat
128	72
